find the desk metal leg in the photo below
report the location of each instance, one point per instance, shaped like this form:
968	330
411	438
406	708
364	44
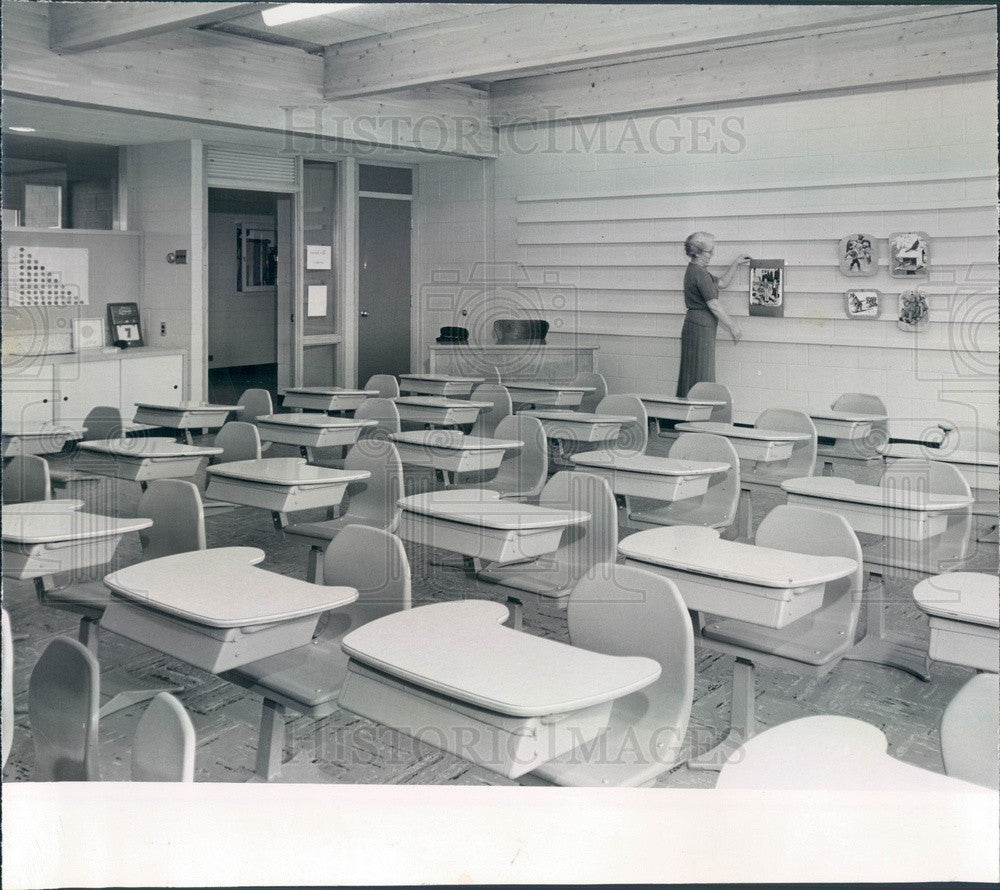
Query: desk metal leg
744	509
878	647
516	613
271	741
827	467
188	437
741	719
280	520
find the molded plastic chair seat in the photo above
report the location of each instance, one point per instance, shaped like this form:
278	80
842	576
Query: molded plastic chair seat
239	440
865	449
803	459
386	384
522	471
626	611
164	744
26	478
256	403
716	392
590	400
63	701
634	435
969	732
582	546
486	421
384	412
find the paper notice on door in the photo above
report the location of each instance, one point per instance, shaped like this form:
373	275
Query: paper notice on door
316	301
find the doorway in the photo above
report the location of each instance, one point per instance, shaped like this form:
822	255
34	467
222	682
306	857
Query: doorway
385	198
244	278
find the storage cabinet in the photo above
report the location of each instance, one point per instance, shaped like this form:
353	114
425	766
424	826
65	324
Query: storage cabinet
83	386
158	379
28	396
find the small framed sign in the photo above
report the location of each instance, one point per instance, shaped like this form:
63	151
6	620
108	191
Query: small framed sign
319	256
123	319
767	287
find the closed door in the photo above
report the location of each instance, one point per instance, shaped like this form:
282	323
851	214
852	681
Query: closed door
383	287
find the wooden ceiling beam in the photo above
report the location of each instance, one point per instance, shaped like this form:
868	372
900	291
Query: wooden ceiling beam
77	27
946	46
530	39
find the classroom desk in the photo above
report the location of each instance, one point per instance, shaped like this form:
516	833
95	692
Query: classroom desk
675	408
451	675
579	426
46	438
547	395
438	385
326	398
438	411
310	431
964	610
142	460
214	609
656	478
449	451
829	753
183	416
41	542
912	515
280	484
480	525
761	585
766	446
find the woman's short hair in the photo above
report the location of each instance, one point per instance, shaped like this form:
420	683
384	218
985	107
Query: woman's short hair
697	243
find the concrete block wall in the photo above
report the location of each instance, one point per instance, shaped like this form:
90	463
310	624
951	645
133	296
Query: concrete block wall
600	210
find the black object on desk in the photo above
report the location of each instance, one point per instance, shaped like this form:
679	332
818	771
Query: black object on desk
453	335
516	330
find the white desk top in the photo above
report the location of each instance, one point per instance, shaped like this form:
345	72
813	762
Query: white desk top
442	378
34	508
331	391
678	400
491	513
43	431
964	596
285	471
453	440
153	447
828	753
315	421
195	407
440	402
461	650
740	432
847	416
701	551
644	463
222	588
66	525
905	450
548	387
837	488
578	416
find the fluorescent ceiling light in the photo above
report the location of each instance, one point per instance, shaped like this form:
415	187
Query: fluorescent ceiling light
295	12
21	129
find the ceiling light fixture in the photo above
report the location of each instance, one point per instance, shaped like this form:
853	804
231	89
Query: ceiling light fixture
21	129
295	12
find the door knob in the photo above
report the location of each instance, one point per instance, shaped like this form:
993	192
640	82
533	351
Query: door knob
365	313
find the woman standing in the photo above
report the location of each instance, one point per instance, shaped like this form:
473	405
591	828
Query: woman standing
701	299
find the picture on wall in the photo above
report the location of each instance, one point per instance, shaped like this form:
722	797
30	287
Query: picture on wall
858	255
767	283
908	254
914	314
862	303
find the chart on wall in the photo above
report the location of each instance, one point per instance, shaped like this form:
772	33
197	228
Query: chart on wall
47	276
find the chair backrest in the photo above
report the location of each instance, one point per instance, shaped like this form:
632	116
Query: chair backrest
969	731
523	471
803	459
239	440
26	478
7	689
163	748
520	330
386	384
720	502
178	526
866	403
63	705
931	476
492	374
590	400
102	423
374	562
820	533
592	542
255	403
486	422
374	500
717	392
634	436
382	410
625	611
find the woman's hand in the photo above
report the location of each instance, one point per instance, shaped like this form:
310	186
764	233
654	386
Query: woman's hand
736	332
